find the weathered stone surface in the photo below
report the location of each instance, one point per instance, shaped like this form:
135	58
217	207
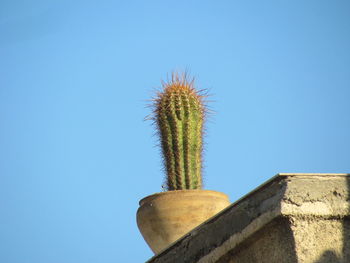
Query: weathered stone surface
290	218
257	248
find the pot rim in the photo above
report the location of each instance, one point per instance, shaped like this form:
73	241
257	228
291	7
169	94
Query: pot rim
179	192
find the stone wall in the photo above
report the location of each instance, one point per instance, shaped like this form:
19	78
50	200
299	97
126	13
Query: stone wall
290	218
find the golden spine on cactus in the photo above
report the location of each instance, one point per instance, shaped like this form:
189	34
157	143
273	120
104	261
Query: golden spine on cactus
179	115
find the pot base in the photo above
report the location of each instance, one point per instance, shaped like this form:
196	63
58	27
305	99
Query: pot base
165	217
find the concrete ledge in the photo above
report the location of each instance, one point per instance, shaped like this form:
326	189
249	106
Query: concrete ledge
290	218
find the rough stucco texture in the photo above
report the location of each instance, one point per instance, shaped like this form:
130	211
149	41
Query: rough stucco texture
321	240
298	240
261	247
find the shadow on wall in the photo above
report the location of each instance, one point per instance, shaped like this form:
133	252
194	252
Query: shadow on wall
329	256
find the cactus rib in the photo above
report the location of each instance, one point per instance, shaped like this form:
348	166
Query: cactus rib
179	115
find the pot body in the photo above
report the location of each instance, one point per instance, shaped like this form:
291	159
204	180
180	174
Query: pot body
165	217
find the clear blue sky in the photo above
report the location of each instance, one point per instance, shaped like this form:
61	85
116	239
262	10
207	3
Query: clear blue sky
75	76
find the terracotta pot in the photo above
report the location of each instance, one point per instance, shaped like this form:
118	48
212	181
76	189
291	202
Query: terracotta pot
165	217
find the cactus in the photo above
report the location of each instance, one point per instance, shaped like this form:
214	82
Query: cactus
179	111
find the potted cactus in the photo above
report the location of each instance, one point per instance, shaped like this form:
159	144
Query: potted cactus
179	115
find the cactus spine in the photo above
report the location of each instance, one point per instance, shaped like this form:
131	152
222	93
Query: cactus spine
179	116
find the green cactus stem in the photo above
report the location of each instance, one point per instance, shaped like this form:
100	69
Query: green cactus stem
179	115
